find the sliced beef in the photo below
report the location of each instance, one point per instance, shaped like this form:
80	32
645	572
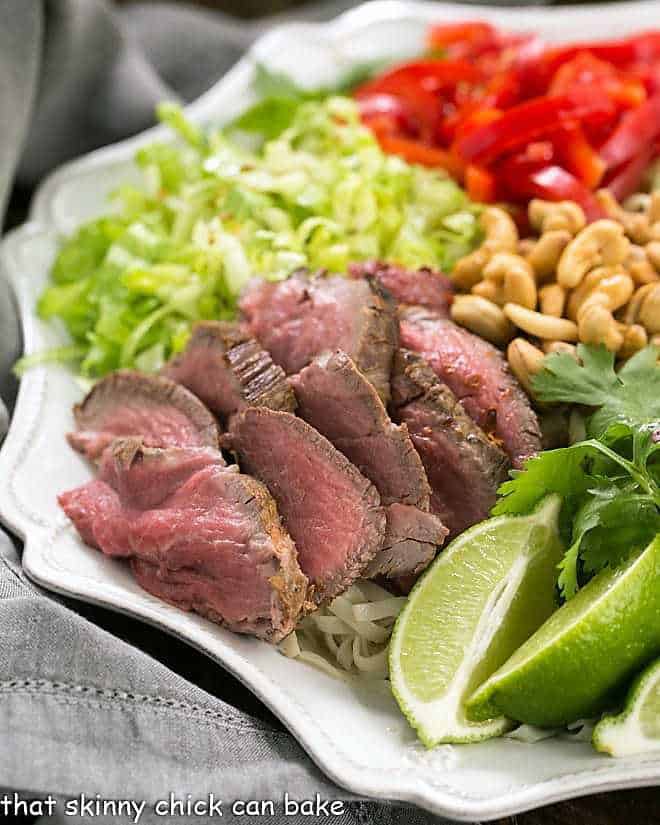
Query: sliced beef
331	510
227	369
206	538
463	466
412	539
338	401
478	375
304	316
128	403
420	287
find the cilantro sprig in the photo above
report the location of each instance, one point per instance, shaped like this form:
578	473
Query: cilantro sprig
610	483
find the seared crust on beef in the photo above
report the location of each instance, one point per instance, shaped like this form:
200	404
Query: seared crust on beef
330	509
420	287
463	466
227	369
478	375
164	413
199	535
337	400
304	316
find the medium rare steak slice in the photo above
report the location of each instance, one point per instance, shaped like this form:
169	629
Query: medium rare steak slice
128	403
478	375
227	369
412	539
209	540
331	510
304	316
463	466
420	287
338	401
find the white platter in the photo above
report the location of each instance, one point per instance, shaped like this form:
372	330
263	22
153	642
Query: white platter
358	738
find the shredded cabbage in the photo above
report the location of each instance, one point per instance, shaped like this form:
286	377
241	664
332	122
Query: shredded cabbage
211	213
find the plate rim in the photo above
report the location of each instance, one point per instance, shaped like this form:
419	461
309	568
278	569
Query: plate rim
440	798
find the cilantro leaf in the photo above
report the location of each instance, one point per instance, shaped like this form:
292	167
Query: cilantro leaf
630	397
589	381
569	471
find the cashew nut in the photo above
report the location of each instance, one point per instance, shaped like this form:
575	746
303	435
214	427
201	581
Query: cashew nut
490	290
578	295
636	224
525	361
545	255
634	339
546	216
501	235
552	299
483	317
653	254
602	243
541	326
516	277
560	346
631	315
596	325
612	291
649	310
639	265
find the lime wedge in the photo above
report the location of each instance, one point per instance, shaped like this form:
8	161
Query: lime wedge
482	597
637	728
586	652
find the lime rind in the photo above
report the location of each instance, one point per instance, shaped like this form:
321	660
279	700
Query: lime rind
625	733
571	665
441	719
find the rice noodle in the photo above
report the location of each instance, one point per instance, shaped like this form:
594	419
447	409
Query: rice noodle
349	637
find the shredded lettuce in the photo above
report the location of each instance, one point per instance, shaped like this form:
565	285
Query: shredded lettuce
211	213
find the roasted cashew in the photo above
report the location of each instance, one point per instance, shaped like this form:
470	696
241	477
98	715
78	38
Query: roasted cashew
653	254
635	224
596	325
634	339
516	277
649	310
500	235
602	243
525	361
639	265
482	317
546	216
541	326
546	252
552	300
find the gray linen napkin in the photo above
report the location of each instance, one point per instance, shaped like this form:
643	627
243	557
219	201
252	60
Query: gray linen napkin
82	711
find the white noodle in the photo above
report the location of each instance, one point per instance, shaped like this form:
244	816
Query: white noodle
349	637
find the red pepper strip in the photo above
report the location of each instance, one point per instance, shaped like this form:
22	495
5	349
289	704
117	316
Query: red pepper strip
553	183
576	154
415	152
529	121
637	128
386	114
431	75
481	185
627	180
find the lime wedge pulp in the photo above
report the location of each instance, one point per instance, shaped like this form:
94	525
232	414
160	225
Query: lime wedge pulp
637	728
574	666
486	593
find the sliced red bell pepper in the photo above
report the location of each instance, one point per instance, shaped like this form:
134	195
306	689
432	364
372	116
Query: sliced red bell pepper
386	113
553	183
627	179
638	128
575	153
529	121
416	152
431	75
466	37
481	184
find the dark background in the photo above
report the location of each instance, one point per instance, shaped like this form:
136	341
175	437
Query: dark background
638	807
